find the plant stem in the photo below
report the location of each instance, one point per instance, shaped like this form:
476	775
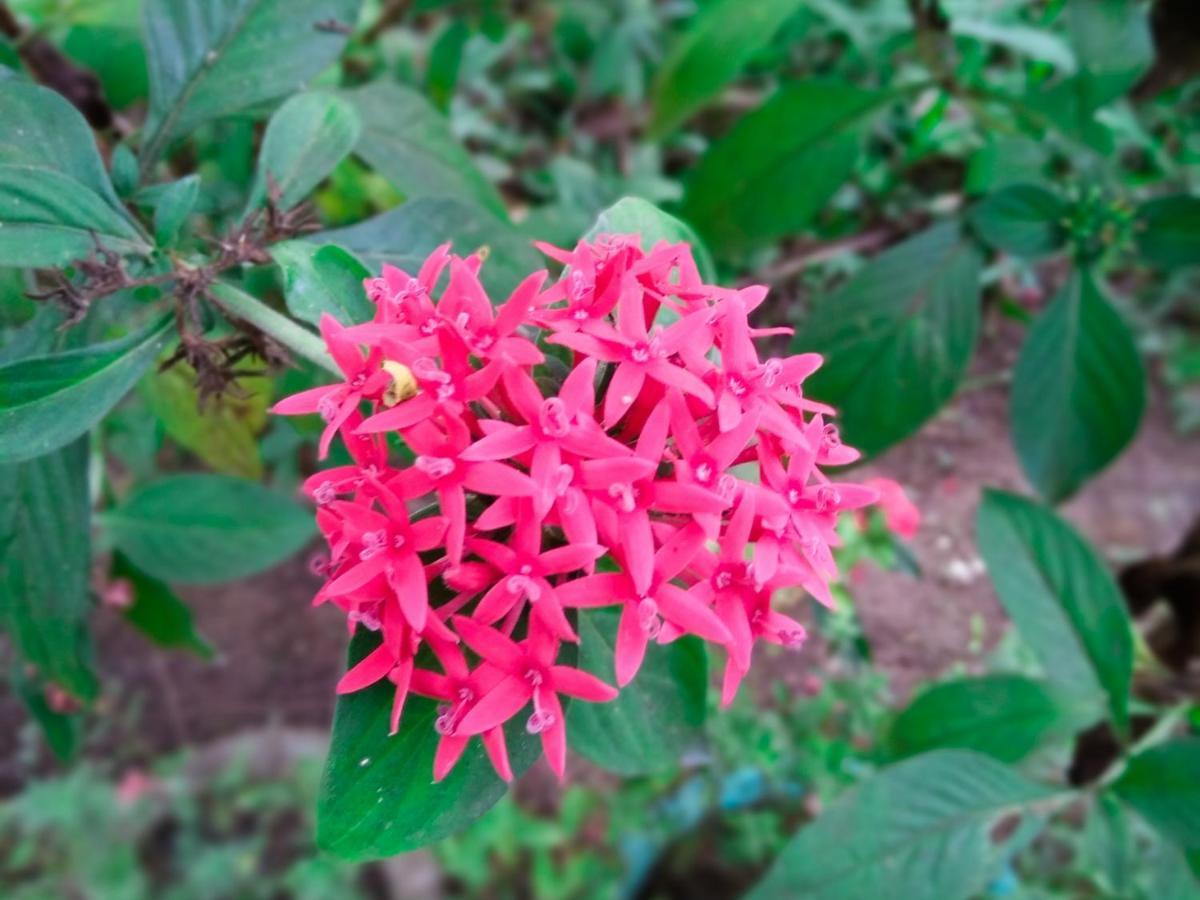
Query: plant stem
299	340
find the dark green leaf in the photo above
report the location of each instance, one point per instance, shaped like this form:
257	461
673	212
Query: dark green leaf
48	401
208	60
61	730
44	558
319	280
1168	231
1024	219
1078	390
124	170
157	612
207	528
1061	597
897	338
656	717
1005	716
409	142
378	797
779	165
173	208
632	215
445	59
305	140
1112	42
921	830
721	39
1163	784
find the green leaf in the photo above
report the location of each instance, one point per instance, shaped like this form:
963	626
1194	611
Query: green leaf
409	142
445	60
378	797
632	215
157	612
305	140
319	280
721	39
209	60
124	170
173	207
222	431
1061	598
1168	231
44	558
1113	44
1023	219
1163	784
1006	717
48	401
1037	44
61	730
406	235
1078	390
207	528
657	716
49	219
897	338
779	165
922	830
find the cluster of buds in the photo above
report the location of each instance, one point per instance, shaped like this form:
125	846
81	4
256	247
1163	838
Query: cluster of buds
611	438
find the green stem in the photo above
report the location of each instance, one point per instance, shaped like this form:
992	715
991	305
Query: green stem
299	340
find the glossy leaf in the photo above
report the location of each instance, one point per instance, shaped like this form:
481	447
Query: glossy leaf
1023	219
921	829
305	140
721	39
898	338
157	612
207	528
378	797
44	558
779	165
1078	390
319	280
1061	597
212	59
409	142
656	718
632	215
1163	784
1168	231
48	401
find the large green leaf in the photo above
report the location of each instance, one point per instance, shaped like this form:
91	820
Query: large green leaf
779	165
1163	784
157	612
1005	716
1112	42
722	38
305	140
1061	597
657	716
212	58
404	236
922	830
409	142
1168	231
319	280
1078	390
48	401
45	553
378	797
207	528
898	338
1022	219
632	215
61	729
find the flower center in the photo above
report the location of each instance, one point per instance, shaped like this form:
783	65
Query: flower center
324	494
327	407
553	418
770	372
828	498
561	480
737	385
540	721
374	543
625	495
648	618
522	585
436	467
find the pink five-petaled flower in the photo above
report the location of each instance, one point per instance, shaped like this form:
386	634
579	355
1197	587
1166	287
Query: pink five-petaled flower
531	674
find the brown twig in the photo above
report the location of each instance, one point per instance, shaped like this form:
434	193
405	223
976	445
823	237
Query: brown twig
393	11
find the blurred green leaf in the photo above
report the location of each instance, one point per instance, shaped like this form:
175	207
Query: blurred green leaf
1163	784
1113	44
61	730
108	41
923	829
1168	231
632	215
211	60
780	164
721	39
173	207
1062	599
201	529
157	612
1022	219
898	338
305	140
1036	43
44	558
656	717
445	60
48	401
1078	390
319	280
409	142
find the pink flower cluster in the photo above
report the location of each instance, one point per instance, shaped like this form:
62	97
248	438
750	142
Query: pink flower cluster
612	438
